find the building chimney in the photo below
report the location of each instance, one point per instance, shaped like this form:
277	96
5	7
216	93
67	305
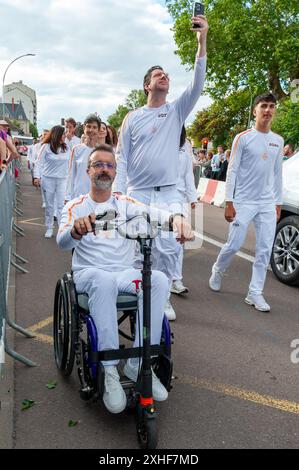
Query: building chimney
13	105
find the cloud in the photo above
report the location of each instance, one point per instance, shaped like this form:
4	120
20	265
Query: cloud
89	55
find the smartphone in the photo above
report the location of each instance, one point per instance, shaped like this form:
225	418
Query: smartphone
198	9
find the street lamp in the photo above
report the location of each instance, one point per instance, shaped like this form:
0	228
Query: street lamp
24	55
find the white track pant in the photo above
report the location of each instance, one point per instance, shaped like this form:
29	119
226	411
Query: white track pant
103	287
53	187
165	247
264	219
178	269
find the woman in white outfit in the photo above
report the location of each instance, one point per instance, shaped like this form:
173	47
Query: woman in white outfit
187	191
52	166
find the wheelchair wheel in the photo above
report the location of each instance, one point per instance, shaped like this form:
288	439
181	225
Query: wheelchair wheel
65	324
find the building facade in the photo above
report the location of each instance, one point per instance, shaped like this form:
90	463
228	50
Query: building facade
17	92
14	113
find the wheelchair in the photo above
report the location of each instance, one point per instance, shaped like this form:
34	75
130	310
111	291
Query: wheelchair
76	339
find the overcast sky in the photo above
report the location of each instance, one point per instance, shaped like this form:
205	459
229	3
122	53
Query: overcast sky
89	54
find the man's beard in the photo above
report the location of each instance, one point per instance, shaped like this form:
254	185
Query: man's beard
101	183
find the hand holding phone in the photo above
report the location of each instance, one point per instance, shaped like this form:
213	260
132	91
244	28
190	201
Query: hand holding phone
198	9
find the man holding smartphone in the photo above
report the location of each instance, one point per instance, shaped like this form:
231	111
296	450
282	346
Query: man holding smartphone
148	149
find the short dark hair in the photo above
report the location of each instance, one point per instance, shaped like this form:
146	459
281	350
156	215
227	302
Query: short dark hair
268	97
291	146
100	148
92	118
71	121
147	76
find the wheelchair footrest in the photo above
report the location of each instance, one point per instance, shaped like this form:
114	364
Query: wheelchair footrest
127	353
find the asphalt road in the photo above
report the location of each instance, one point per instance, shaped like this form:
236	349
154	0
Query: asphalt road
235	385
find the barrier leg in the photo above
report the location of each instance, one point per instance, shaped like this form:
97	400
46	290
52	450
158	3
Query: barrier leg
20	258
18	231
18	211
18	356
19	267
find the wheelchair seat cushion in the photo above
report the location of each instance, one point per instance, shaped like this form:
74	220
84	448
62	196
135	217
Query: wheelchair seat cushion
125	301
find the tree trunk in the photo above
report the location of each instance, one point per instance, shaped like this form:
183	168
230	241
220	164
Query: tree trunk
275	86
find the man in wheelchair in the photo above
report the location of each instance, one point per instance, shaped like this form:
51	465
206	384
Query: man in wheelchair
102	266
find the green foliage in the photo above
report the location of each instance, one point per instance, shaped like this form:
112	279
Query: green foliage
286	122
17	124
118	116
26	404
250	42
135	99
222	120
33	130
52	384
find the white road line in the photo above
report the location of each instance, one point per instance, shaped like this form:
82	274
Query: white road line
220	245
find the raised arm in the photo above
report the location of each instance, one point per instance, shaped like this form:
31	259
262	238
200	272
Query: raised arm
186	102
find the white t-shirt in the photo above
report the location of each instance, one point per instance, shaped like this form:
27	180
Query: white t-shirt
50	164
147	153
78	180
107	250
72	142
254	172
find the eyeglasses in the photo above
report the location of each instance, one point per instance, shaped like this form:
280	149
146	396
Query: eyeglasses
101	165
160	75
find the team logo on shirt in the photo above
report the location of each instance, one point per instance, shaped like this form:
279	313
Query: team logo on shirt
271	144
162	115
265	156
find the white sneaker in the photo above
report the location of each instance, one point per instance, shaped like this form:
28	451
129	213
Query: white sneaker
49	233
215	279
159	391
169	311
43	205
178	288
258	301
114	397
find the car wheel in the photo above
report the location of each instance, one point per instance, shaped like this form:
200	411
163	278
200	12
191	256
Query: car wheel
285	253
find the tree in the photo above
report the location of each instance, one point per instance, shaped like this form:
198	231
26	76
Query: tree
135	99
286	122
222	120
33	130
118	116
250	43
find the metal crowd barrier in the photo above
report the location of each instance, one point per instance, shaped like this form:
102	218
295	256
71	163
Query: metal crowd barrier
8	205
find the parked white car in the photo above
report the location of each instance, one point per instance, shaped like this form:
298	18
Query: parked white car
285	253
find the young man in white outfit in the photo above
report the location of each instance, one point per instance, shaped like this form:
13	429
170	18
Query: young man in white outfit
70	138
78	181
253	193
148	148
103	266
188	196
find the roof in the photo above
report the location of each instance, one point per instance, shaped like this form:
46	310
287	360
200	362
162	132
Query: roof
18	114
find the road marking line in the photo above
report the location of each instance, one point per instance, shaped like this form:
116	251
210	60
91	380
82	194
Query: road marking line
228	390
44	338
30	223
41	324
235	392
220	245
